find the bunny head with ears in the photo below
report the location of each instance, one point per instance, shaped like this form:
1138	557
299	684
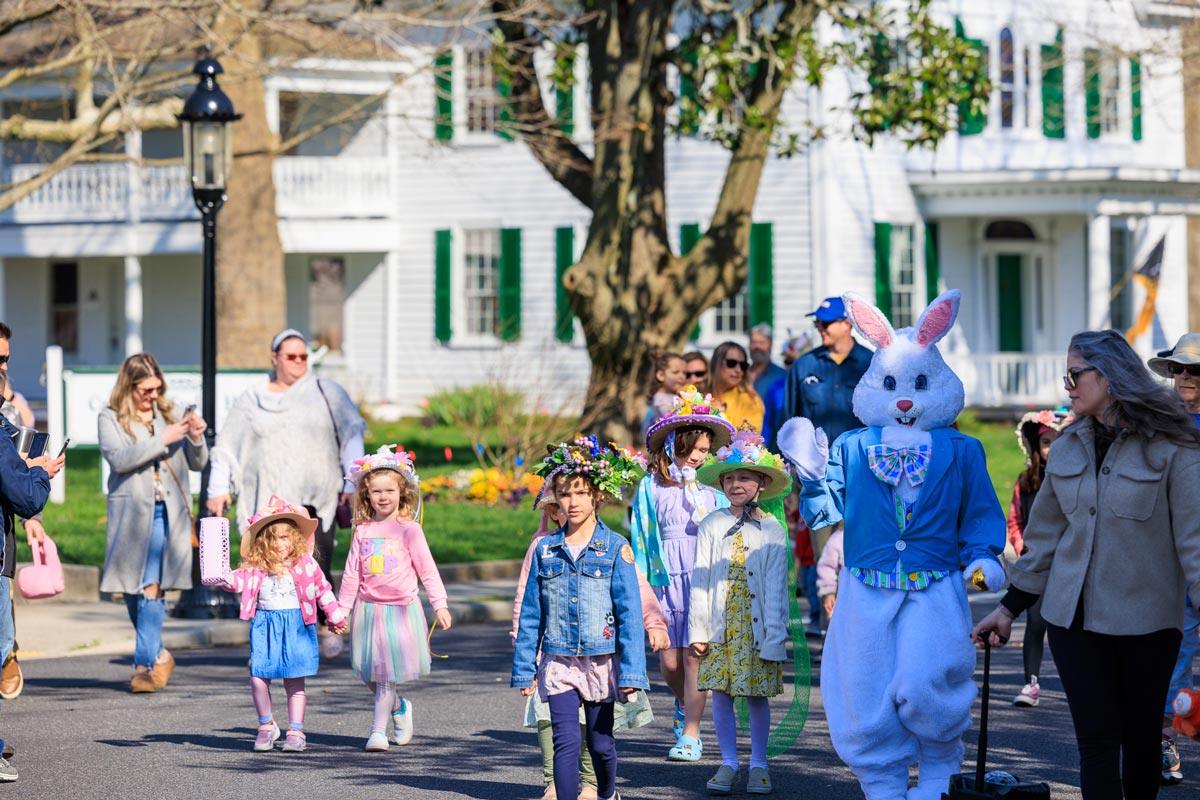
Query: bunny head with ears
908	383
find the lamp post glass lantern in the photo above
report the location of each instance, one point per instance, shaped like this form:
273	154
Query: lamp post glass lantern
208	154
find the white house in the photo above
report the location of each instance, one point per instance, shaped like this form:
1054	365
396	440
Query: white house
415	237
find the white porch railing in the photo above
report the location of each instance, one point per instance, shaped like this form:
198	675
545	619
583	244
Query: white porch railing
311	188
1011	379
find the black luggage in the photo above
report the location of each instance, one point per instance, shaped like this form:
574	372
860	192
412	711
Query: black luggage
983	785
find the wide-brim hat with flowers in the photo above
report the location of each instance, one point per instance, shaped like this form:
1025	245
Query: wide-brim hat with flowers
1054	419
746	451
691	410
278	509
1186	351
607	467
389	456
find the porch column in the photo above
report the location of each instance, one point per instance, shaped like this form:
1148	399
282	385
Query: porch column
1099	271
133	305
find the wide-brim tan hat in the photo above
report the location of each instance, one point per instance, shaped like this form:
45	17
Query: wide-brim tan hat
776	481
276	510
1186	351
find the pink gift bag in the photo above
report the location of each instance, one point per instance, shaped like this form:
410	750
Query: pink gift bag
44	578
214	550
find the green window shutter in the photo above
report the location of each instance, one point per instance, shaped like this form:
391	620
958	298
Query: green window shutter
933	268
564	257
762	277
510	285
1054	125
689	234
506	123
564	102
443	84
1091	82
883	267
689	120
441	290
1135	96
969	122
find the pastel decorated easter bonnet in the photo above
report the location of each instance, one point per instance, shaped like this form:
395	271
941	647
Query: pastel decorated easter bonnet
607	467
691	410
278	509
1054	420
389	456
747	451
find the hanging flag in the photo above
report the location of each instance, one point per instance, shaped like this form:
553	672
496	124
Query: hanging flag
1147	276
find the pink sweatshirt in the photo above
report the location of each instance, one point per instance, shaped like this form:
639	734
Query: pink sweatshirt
652	616
311	587
385	560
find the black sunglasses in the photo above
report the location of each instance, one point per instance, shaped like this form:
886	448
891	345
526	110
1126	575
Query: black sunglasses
699	374
1179	369
3	360
733	363
1071	379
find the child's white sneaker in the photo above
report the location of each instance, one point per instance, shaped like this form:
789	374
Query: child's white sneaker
402	723
377	742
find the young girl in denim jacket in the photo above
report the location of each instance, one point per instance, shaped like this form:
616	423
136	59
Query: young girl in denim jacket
667	509
281	587
582	612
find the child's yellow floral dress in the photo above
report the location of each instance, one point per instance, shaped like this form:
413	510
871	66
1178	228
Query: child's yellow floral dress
733	666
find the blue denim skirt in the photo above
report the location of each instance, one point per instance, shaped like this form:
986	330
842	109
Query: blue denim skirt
281	645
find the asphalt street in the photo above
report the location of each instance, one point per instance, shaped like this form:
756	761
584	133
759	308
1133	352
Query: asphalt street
79	733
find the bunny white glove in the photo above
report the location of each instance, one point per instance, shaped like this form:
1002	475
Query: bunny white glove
807	449
991	572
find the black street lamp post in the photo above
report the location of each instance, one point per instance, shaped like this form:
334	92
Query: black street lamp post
208	154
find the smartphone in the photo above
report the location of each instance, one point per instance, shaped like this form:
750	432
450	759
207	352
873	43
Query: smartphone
66	442
189	411
37	447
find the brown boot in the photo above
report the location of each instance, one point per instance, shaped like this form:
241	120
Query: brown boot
11	679
163	668
142	683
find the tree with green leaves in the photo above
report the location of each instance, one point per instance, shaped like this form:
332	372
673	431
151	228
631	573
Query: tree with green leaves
736	60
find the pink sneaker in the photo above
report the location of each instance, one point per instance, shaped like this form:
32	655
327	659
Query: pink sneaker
1029	693
265	740
295	742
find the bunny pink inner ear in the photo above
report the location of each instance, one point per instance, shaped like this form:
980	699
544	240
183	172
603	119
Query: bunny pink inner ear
870	322
936	321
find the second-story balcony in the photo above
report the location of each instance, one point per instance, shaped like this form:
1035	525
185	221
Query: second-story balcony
305	188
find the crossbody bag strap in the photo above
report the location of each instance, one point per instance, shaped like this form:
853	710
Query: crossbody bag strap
182	493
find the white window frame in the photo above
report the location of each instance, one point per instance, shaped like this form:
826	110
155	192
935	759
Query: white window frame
460	314
915	289
463	135
1121	103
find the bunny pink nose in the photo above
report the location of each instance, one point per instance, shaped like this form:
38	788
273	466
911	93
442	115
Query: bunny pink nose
904	405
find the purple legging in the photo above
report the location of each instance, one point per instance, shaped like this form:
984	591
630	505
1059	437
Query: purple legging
260	688
598	722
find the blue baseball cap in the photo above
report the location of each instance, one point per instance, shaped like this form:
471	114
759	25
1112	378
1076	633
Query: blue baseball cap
830	310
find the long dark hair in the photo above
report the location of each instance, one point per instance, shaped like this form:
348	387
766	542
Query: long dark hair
1139	402
718	360
1031	479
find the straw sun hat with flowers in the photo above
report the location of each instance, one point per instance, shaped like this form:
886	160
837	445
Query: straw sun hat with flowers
278	510
747	451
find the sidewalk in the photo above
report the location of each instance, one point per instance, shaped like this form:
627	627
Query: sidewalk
48	629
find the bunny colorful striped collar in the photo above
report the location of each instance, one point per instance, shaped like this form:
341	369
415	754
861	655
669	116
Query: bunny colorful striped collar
889	463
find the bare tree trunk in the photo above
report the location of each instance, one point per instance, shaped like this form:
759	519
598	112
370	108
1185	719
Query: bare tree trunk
1191	138
251	297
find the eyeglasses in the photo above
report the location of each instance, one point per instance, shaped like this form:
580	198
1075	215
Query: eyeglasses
3	360
1071	379
301	357
733	363
699	374
1177	369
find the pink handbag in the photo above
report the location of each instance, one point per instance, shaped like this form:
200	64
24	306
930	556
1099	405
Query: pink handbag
44	578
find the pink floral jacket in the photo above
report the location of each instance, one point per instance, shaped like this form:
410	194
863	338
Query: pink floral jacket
311	587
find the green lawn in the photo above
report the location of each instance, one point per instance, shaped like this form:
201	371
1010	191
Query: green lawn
456	532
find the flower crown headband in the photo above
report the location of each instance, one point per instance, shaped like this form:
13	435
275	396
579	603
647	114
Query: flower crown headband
607	467
1055	420
385	458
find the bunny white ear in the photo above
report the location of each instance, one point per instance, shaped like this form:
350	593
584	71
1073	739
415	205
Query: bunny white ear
868	320
938	318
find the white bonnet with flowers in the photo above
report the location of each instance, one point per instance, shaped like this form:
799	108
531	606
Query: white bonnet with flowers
397	460
1047	419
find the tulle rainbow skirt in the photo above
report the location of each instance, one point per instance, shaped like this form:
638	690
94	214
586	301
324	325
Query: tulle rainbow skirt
388	642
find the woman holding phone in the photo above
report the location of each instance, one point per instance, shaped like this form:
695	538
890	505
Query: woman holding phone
149	447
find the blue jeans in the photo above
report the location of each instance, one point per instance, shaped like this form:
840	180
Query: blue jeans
1181	678
8	629
146	613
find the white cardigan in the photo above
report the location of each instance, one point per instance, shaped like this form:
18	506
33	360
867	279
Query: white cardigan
766	574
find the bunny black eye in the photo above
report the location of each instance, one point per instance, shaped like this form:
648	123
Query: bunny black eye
922	383
889	383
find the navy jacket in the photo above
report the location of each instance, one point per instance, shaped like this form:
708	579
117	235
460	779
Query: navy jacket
823	390
23	491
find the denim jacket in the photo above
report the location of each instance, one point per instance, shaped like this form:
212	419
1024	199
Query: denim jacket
821	389
585	607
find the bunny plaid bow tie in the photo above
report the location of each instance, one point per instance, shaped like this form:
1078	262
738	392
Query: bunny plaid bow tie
889	463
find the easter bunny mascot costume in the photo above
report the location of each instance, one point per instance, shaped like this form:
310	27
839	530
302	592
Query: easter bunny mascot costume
897	674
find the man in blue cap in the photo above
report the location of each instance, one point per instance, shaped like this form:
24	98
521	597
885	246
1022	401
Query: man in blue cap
820	385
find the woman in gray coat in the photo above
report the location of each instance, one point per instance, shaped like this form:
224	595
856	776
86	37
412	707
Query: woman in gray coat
149	506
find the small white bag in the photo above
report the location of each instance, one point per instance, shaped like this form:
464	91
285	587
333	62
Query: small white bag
214	550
